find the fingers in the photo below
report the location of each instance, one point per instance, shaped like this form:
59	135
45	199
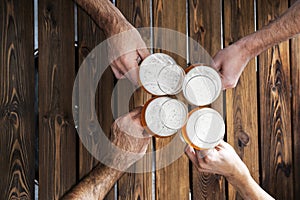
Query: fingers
127	66
216	61
143	53
192	156
117	73
136	113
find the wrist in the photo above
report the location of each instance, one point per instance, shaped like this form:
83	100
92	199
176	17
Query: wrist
116	25
239	177
247	48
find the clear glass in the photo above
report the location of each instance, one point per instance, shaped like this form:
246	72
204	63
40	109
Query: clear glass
202	85
160	75
204	129
164	116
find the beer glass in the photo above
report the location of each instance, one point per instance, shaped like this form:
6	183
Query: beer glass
163	116
160	75
202	85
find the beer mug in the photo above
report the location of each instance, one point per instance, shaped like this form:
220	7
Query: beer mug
204	129
202	85
163	116
160	75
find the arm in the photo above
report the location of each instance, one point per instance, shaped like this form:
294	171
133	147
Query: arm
225	161
106	15
248	188
232	60
127	134
123	63
96	185
282	29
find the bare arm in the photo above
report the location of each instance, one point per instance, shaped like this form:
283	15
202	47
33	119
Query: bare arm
224	160
123	63
106	15
232	60
281	29
248	188
127	134
96	185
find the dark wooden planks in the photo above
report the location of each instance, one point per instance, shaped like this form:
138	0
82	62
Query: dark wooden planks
172	182
89	36
57	136
275	110
133	185
205	28
17	136
242	117
295	76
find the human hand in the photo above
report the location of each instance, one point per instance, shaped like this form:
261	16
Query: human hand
129	136
221	160
230	62
125	50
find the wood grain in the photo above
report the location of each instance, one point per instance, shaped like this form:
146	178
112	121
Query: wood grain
89	36
242	116
295	76
275	110
17	136
133	185
204	27
172	182
57	136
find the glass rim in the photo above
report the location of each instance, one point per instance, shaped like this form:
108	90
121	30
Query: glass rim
183	106
208	110
182	74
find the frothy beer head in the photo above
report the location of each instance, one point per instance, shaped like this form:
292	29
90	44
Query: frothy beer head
164	116
204	129
202	85
160	75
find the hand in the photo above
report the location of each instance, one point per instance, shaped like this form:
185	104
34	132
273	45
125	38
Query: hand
230	62
221	160
125	50
129	136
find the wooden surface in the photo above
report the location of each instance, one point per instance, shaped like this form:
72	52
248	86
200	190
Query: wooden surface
204	27
295	75
89	36
57	136
262	113
275	110
17	135
172	182
136	185
242	118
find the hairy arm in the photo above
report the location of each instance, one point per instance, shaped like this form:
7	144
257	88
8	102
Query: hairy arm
232	60
124	50
281	29
248	188
129	136
105	14
224	160
96	185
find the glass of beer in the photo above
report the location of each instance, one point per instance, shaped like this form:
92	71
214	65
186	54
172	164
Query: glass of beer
204	129
202	85
160	75
163	116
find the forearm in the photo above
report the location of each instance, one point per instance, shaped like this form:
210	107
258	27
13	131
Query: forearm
248	188
96	185
104	13
283	28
